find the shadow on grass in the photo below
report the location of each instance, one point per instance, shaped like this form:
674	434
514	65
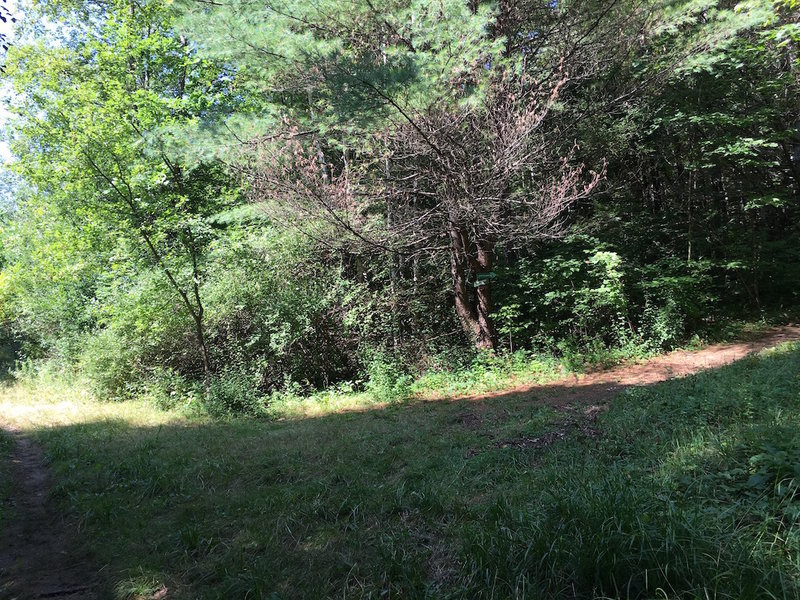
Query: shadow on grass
428	499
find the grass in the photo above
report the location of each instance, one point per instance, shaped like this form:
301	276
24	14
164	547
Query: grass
485	373
489	373
6	478
686	489
389	384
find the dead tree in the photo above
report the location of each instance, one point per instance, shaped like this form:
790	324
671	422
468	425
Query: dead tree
485	176
462	181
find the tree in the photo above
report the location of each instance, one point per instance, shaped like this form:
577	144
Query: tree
93	137
414	128
707	189
8	19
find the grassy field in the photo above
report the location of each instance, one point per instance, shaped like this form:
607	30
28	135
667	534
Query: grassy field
686	489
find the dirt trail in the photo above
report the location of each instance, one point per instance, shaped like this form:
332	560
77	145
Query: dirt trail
38	557
598	387
582	398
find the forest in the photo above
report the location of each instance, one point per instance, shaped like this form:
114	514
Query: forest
235	220
258	199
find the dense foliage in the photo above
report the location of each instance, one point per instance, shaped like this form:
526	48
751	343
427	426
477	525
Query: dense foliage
253	198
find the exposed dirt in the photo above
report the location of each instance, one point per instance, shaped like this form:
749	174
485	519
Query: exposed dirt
597	388
584	397
38	556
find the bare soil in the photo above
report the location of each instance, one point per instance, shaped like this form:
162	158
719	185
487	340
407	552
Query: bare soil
598	387
39	556
582	398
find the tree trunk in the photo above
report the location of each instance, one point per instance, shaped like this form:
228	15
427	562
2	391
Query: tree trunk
473	310
487	337
201	340
458	269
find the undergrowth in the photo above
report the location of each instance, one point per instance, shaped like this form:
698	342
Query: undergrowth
387	379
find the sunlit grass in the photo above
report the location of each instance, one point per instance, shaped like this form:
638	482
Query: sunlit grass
320	404
489	373
32	406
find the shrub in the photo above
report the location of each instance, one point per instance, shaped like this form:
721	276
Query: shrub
234	393
388	378
108	364
168	389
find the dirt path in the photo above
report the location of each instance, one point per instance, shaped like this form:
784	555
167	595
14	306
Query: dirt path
583	398
38	558
597	388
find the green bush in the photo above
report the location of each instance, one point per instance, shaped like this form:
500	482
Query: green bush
108	364
388	378
168	389
274	312
676	298
577	292
233	393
